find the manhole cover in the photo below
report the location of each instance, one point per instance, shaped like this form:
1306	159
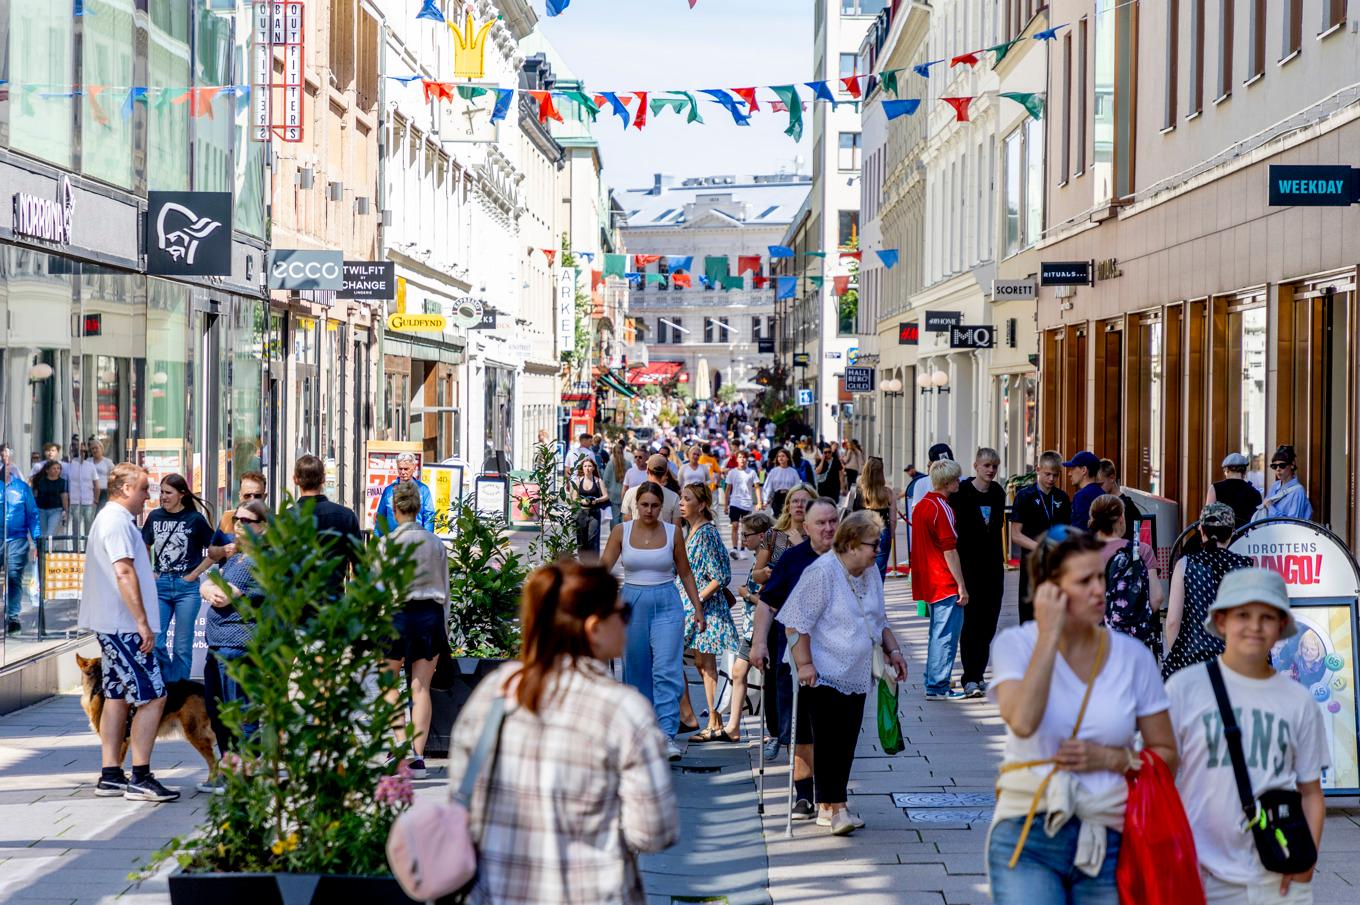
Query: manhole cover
936	816
943	799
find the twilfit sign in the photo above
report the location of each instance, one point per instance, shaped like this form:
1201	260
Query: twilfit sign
48	219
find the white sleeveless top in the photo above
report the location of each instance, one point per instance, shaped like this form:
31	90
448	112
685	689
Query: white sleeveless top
648	567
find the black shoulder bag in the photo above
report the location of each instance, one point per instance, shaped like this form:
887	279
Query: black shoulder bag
1276	818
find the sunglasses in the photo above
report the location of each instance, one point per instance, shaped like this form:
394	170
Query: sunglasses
252	496
1277	466
248	521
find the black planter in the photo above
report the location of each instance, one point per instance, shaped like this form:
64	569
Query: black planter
284	889
447	703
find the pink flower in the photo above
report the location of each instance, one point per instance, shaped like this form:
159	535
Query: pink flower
395	790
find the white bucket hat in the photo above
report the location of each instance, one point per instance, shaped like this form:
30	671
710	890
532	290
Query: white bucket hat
1245	586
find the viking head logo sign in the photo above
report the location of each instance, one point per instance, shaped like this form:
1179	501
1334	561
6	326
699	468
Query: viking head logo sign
179	230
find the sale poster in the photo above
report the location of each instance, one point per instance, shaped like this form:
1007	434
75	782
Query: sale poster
446	490
380	469
1321	658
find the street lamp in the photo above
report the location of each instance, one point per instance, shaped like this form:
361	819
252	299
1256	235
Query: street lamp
923	382
891	387
940	381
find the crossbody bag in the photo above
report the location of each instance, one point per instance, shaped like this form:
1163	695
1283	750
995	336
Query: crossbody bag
1276	819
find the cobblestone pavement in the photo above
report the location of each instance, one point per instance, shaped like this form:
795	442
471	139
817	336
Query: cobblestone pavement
59	844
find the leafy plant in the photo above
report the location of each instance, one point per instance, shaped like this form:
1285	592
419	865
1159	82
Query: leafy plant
308	790
485	579
557	508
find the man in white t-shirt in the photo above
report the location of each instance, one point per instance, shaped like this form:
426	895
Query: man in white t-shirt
637	472
119	605
670	507
1284	740
82	483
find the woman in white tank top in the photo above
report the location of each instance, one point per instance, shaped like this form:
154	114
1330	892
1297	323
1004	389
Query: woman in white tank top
653	557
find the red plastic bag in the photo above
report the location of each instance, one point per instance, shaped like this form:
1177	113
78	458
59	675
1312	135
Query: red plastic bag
1157	863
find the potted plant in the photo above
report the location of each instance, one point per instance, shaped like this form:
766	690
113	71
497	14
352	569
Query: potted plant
309	795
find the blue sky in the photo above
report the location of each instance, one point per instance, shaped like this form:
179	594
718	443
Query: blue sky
625	45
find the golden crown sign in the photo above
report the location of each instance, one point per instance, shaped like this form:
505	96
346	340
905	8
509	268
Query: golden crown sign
469	49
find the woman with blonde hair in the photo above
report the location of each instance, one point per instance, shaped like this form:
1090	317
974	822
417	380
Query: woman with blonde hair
615	477
712	572
534	842
873	493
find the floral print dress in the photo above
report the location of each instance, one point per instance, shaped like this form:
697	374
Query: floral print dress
708	560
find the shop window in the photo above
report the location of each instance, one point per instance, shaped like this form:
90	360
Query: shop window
213	47
167	124
113	357
107	51
1144	449
41	71
243	342
168	436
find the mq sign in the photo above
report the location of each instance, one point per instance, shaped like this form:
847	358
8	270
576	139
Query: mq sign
982	336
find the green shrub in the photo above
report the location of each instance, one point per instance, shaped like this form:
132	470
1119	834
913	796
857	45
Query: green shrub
485	581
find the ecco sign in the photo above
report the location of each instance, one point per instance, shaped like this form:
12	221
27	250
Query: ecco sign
291	268
48	219
982	336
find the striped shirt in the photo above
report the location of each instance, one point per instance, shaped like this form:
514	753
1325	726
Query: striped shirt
575	792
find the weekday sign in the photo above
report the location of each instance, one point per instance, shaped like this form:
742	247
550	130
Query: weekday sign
1314	186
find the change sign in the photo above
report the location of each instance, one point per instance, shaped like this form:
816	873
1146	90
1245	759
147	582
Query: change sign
369	281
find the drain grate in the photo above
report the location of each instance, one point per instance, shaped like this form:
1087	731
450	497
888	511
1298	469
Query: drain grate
949	816
961	809
700	769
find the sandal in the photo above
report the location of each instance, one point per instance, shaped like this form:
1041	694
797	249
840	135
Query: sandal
708	735
727	738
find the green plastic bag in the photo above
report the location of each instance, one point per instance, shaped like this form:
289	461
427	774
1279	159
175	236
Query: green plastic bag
922	610
889	727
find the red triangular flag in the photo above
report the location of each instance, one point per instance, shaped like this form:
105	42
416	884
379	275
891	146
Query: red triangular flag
760	282
852	85
641	261
441	91
92	92
748	264
748	95
200	101
546	108
681	279
855	255
960	105
551	255
601	100
840	286
596	279
640	120
967	59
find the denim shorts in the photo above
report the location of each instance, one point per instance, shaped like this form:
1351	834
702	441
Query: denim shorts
129	674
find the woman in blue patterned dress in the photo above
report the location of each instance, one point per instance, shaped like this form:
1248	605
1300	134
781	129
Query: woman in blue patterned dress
712	572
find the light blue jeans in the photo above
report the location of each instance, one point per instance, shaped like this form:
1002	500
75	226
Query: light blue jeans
180	601
16	561
653	661
946	622
1044	872
885	541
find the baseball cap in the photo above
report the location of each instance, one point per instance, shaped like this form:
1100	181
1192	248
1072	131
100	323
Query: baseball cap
940	451
1254	585
1083	459
1218	515
1235	460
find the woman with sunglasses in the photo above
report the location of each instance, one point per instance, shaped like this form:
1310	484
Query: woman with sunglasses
178	533
579	784
224	538
838	610
1288	497
1074	695
228	631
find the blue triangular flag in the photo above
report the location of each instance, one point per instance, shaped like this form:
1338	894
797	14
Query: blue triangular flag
740	117
558	7
785	287
680	263
1049	34
405	79
135	93
894	109
780	251
588	255
705	282
888	256
821	92
503	98
619	107
430	10
923	69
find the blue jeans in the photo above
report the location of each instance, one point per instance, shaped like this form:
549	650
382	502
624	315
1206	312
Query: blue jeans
946	622
1044	872
179	599
219	689
653	661
884	551
16	560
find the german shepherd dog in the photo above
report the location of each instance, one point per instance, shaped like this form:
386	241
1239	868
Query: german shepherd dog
185	708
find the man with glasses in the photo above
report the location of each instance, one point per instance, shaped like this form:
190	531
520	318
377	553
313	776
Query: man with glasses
385	520
223	545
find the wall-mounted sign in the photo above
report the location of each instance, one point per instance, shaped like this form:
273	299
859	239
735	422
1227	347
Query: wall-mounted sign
859	380
801	359
908	334
48	219
1314	186
466	312
805	397
488	321
566	309
982	336
1065	273
293	268
833	355
1014	290
276	103
941	321
765	346
369	281
1108	269
188	233
416	323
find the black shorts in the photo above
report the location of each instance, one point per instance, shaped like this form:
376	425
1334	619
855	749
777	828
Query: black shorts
421	632
736	513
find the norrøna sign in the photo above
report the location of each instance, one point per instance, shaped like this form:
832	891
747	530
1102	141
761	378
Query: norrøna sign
369	281
291	268
1314	186
48	219
188	234
1065	273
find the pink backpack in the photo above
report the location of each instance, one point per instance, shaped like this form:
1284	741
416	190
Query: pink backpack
430	847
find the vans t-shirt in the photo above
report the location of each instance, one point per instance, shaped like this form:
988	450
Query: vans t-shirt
1284	743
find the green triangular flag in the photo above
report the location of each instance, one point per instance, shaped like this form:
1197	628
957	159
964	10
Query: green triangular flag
667	103
656	278
576	94
615	265
471	92
789	95
1032	101
816	254
888	79
694	116
715	269
1001	50
734	282
817	282
163	97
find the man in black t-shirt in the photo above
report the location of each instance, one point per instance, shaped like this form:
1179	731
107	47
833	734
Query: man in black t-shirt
979	509
337	524
1037	508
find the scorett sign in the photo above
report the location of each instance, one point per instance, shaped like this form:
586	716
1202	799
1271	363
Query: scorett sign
1314	186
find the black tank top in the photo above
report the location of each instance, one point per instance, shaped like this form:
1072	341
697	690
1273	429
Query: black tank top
1243	498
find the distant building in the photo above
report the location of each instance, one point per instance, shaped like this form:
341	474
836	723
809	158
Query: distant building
711	328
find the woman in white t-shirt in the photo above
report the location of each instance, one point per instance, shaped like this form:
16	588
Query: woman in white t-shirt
1276	713
693	471
1061	792
780	479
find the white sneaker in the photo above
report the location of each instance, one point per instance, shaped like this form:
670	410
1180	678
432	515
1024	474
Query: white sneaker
842	824
673	752
824	820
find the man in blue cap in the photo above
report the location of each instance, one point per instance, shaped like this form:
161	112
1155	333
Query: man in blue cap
1084	466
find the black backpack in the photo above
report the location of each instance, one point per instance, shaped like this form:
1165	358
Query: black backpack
1128	597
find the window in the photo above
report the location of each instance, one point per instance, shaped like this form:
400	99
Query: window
212	135
861	7
1333	14
1225	47
1023	159
1256	58
1034	180
756	325
1081	98
167	124
41	54
849	151
1196	99
1173	49
1293	28
662	331
849	67
1065	167
106	59
708	330
1103	121
848	228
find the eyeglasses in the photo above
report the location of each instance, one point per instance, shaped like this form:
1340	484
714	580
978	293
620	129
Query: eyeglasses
252	496
874	546
625	613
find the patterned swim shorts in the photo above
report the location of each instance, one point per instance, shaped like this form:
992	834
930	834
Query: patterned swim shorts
129	674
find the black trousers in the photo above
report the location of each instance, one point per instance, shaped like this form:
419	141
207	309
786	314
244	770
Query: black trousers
979	622
836	720
1026	603
777	694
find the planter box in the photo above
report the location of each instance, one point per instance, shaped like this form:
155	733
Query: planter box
284	889
447	703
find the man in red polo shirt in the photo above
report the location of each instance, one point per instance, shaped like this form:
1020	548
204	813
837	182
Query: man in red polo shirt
937	577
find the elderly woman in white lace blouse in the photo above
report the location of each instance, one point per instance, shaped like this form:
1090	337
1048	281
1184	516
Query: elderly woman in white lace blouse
838	606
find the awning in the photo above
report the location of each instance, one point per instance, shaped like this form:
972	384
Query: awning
655	373
611	381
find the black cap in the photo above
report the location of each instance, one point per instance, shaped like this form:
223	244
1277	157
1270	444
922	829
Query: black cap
941	451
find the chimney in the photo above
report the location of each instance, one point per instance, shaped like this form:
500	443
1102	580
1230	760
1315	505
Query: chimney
661	182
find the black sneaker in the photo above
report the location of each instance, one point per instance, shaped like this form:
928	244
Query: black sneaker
111	788
149	789
803	810
417	768
13	627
